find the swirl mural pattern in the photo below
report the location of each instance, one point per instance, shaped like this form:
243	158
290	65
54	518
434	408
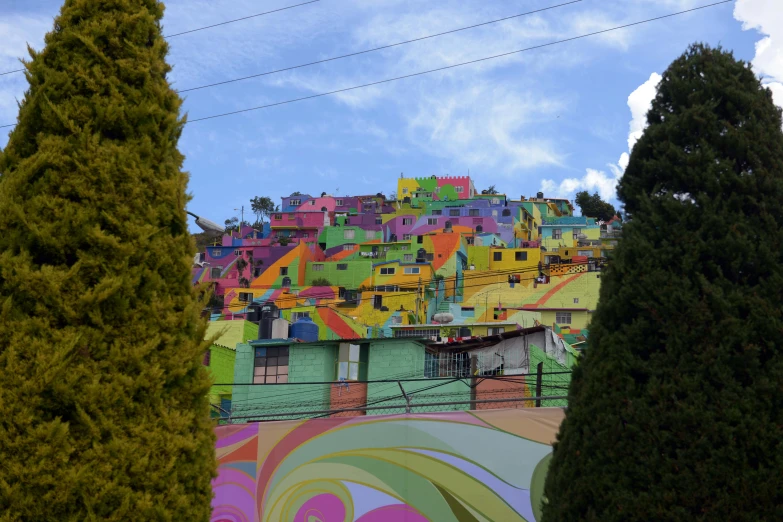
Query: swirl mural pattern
477	466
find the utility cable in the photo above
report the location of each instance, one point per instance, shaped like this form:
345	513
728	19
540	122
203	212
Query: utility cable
447	67
213	25
388	46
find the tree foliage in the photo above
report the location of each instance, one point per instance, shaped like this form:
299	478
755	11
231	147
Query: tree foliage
490	190
676	411
103	396
262	207
594	207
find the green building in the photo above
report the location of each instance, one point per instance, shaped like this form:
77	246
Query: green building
221	356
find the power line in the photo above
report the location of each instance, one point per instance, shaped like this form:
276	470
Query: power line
388	46
211	26
337	300
376	381
447	67
240	19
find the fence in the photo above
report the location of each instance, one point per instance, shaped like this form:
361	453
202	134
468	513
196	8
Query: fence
356	398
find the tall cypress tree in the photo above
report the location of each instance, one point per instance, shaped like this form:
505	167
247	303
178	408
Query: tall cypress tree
676	410
103	400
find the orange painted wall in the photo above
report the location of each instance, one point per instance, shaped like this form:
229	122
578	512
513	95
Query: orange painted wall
511	387
351	396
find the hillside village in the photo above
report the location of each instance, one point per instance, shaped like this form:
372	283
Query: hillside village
440	267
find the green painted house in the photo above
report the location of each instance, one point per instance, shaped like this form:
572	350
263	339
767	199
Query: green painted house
220	357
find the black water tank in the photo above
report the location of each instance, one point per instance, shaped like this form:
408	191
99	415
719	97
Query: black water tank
540	195
421	255
253	313
269	313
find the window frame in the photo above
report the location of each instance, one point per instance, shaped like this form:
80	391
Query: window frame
520	255
557	233
497	256
564	318
342	266
387	270
271	352
349	234
412	270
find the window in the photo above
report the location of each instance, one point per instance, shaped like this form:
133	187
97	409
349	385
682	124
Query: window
341	292
214	273
477	221
295	316
563	317
495	330
348	247
379	221
342	266
495	201
270	365
479	228
305	234
377	301
412	270
283	270
557	233
459	189
405	190
474	212
520	256
576	300
506	212
434	332
432	221
407	258
245	297
349	234
437	212
387	271
576	232
454	212
586	253
257	271
295	202
437	190
217	252
419	240
497	256
237	252
369	234
387	288
396	319
407	221
312	202
471	241
429	257
348	362
338	202
318	268
406	237
278	216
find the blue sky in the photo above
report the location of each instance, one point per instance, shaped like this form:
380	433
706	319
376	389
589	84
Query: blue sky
557	118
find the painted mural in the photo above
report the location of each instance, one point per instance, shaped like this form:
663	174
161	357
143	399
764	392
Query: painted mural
413	468
440	247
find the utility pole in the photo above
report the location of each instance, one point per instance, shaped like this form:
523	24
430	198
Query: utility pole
418	299
539	378
242	218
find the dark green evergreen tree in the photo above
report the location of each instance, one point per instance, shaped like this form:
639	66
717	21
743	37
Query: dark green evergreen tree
103	400
676	410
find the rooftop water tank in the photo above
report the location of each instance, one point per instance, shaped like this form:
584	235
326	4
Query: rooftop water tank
280	329
305	330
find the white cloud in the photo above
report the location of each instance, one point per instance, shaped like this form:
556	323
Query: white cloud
766	17
481	124
639	102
